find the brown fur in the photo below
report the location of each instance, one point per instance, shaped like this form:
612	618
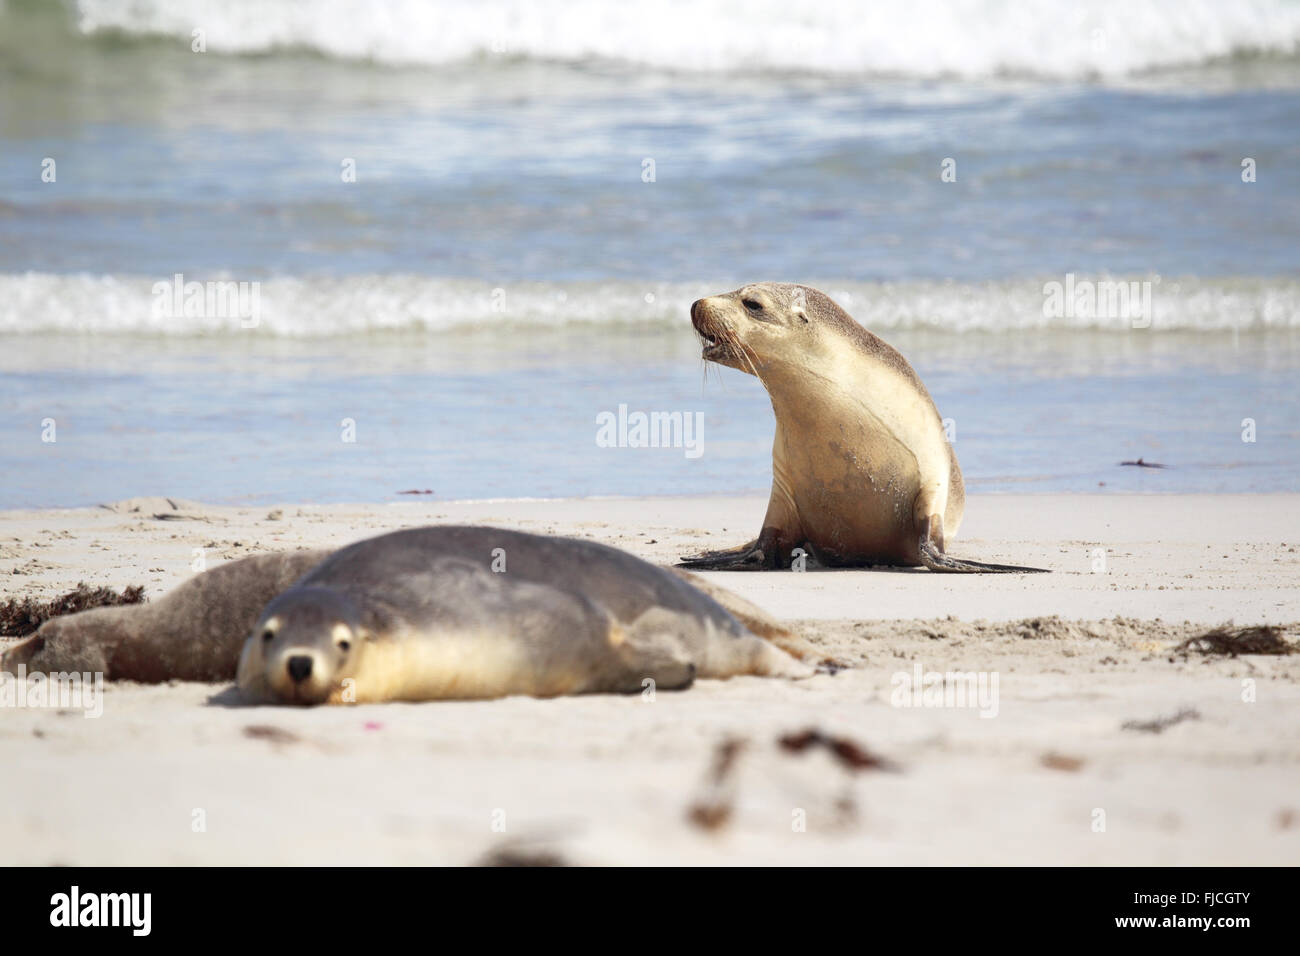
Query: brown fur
197	630
194	632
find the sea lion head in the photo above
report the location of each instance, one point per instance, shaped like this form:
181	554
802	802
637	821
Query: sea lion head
306	643
765	326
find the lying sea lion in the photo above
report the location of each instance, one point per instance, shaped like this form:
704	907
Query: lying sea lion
469	612
194	632
438	612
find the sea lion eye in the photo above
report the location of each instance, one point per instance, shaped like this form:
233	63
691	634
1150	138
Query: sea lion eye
342	635
753	305
268	635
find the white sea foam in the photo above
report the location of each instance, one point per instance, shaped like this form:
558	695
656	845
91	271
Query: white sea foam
971	38
351	305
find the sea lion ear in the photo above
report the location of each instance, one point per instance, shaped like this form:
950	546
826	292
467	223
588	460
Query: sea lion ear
799	303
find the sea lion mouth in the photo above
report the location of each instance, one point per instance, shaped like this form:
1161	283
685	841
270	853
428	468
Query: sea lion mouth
718	350
717	342
713	345
721	348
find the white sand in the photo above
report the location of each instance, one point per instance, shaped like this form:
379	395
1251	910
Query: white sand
611	779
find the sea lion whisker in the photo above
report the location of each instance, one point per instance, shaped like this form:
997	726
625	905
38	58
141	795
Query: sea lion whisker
732	340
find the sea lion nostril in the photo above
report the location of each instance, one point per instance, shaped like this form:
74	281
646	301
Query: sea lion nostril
299	668
695	311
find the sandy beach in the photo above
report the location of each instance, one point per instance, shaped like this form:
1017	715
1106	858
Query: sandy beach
285	275
1102	744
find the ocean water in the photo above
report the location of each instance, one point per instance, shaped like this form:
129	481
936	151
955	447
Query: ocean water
464	232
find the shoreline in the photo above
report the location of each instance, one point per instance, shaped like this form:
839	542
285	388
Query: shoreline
1206	559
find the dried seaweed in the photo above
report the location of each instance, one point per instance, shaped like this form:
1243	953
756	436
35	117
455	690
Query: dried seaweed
850	755
1161	724
18	618
276	735
713	809
1062	762
1231	641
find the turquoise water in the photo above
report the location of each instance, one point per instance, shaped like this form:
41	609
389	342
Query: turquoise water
500	272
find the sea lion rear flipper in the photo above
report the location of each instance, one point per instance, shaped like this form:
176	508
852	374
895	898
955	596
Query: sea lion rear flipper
755	619
932	555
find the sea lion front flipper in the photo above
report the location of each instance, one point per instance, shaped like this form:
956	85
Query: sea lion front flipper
767	552
932	555
747	557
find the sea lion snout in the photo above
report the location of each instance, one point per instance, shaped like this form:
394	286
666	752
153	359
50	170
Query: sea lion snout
301	674
707	315
700	316
299	668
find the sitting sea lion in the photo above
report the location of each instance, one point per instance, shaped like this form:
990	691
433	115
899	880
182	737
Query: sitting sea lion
862	472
